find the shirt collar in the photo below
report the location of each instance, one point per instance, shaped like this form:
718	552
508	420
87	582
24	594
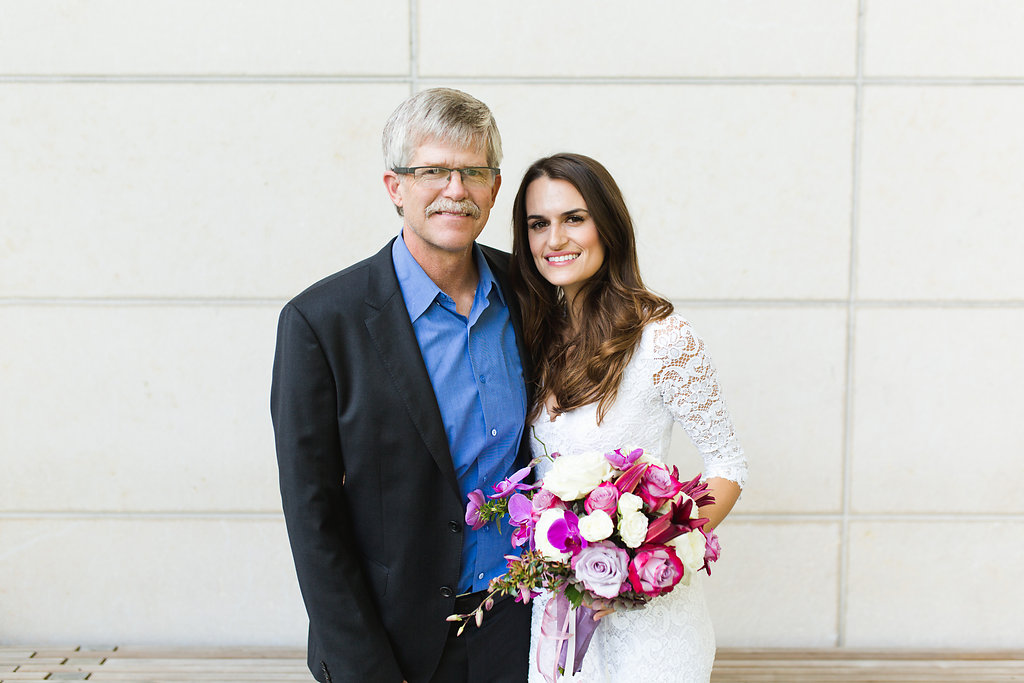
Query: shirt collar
419	291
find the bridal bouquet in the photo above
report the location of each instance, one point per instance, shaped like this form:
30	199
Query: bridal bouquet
601	531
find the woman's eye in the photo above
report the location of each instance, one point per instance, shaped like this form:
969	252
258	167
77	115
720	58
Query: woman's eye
574	219
537	225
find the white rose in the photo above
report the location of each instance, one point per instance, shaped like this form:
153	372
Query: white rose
633	529
629	503
573	476
540	535
596	526
690	549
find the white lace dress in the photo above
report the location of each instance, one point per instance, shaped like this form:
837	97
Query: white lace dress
670	377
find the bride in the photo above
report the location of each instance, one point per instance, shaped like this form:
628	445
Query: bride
614	366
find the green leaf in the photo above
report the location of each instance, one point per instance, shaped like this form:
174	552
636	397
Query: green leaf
574	595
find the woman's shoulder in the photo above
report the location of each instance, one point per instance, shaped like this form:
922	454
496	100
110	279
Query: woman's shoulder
672	325
672	335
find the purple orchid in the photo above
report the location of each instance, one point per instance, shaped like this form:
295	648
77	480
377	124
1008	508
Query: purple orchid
564	534
476	501
622	461
520	513
506	487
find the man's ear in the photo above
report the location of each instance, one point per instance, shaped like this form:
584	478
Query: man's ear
393	184
497	184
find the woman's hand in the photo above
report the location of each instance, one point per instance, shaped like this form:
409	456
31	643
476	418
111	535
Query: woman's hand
602	608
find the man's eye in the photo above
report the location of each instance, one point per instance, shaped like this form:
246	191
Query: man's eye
432	171
472	172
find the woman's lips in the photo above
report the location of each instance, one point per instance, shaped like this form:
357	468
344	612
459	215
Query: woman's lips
558	259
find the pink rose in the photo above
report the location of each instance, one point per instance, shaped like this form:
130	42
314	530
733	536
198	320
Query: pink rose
658	486
655	570
604	497
712	548
543	500
603	568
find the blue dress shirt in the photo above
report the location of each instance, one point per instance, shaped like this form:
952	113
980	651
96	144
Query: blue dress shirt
474	367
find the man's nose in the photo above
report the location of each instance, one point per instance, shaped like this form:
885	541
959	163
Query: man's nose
455	187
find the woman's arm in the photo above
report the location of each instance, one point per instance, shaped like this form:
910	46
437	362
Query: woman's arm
725	492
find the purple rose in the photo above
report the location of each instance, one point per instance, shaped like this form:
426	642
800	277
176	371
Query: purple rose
622	461
655	570
658	486
476	501
604	497
603	568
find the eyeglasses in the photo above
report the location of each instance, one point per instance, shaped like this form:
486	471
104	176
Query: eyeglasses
481	176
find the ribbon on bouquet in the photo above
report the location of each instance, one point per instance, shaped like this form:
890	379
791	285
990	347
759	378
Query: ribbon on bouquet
565	634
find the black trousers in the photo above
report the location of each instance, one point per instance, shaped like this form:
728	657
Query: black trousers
496	652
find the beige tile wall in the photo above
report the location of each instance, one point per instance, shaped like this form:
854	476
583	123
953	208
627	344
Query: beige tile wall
830	191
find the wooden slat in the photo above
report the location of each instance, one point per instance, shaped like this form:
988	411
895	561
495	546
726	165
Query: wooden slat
282	665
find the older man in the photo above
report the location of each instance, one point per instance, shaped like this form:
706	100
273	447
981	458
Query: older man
399	388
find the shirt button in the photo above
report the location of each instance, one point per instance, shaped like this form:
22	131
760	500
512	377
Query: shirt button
480	576
494	432
483	379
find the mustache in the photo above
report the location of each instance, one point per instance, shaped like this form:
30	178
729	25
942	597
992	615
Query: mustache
466	206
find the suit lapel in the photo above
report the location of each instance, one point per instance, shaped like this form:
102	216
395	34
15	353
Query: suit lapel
387	321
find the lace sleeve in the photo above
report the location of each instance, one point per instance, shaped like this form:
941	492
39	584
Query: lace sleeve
688	383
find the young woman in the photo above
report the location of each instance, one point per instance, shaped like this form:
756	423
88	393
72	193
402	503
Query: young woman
614	368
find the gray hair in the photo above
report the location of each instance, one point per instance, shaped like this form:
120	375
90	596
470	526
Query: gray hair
442	114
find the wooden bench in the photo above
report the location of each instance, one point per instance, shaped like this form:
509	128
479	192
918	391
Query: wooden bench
279	665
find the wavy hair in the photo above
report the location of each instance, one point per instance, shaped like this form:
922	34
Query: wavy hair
582	364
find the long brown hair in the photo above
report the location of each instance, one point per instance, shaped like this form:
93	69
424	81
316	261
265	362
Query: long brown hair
583	365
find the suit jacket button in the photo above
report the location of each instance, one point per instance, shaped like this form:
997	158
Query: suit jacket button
447	592
454	526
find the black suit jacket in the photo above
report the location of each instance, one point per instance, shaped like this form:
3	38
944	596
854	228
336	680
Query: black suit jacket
373	509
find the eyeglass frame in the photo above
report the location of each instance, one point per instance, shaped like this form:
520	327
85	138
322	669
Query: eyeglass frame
411	170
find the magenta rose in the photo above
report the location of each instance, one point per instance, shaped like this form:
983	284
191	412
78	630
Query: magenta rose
604	497
655	570
658	486
622	461
603	569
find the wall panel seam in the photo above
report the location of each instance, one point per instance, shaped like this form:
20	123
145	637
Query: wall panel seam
851	294
701	303
414	78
